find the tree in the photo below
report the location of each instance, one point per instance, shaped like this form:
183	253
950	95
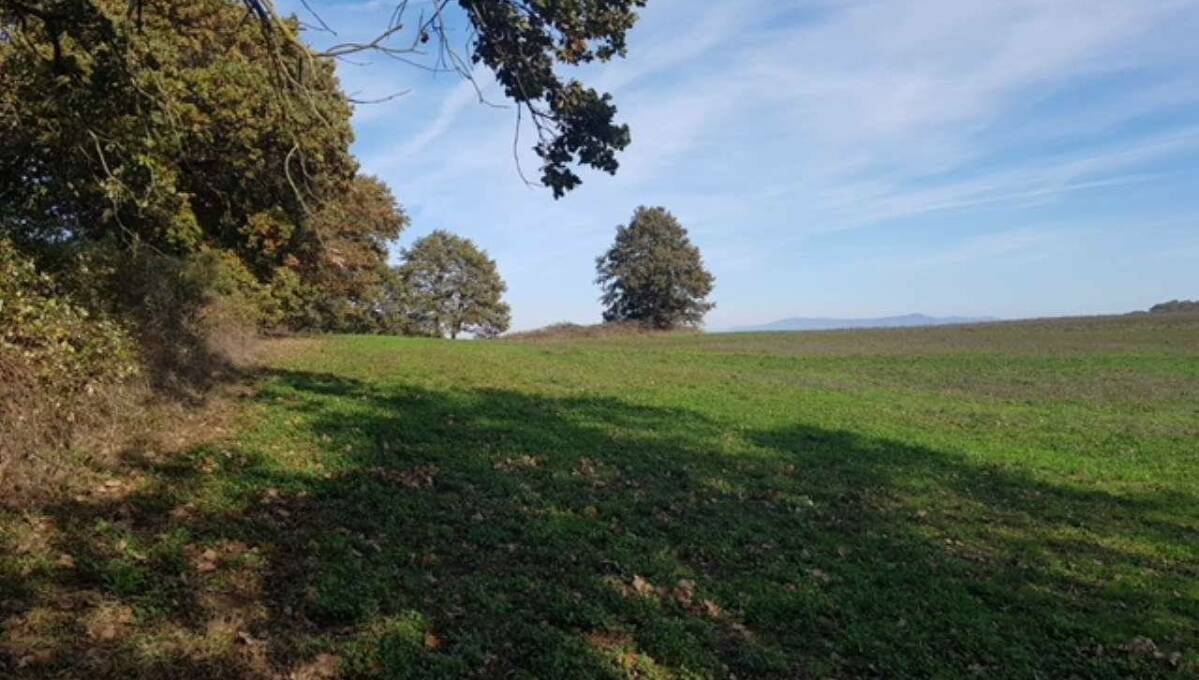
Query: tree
523	43
165	129
451	287
653	275
168	133
1175	307
345	282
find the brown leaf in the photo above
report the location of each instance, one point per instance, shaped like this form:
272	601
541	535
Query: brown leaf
820	575
41	656
323	667
422	477
712	609
432	642
526	461
245	638
586	467
629	659
684	592
1140	646
108	632
741	630
642	586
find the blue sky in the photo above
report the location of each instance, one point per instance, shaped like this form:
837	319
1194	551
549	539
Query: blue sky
1008	158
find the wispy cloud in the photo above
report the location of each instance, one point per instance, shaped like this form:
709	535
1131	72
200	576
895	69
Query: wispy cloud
774	127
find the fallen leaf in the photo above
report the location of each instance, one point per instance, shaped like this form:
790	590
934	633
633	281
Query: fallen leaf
432	642
740	629
245	638
323	667
1140	646
684	592
108	632
819	575
642	586
629	659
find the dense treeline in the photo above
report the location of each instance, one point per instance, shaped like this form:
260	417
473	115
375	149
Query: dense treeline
176	176
1175	307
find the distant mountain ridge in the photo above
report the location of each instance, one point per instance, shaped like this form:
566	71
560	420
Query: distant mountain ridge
825	324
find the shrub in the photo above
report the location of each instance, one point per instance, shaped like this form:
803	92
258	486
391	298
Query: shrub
1176	307
65	345
58	362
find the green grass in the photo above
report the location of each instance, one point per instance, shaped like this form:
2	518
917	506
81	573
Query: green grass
1019	500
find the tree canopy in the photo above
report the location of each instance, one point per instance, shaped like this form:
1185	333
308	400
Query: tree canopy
165	129
346	282
522	43
653	274
451	287
1175	307
169	133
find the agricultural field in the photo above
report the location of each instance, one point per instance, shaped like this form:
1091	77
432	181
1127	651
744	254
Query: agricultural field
1007	500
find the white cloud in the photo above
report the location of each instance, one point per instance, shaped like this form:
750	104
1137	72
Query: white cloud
763	123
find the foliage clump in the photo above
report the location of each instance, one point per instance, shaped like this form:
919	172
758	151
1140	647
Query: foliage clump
56	360
346	283
448	286
653	274
1175	307
170	129
69	349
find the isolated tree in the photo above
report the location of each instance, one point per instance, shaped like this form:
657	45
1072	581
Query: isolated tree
653	274
451	287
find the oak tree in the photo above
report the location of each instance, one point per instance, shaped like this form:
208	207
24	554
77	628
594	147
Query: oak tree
653	274
452	287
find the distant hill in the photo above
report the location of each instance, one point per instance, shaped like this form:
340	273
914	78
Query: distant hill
904	321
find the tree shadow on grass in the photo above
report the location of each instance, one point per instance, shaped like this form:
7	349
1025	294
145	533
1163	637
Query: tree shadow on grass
395	531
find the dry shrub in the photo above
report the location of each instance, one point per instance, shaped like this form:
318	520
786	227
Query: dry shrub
194	317
24	425
46	430
61	371
567	330
73	379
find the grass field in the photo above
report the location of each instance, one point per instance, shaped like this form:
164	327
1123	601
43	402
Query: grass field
1013	500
